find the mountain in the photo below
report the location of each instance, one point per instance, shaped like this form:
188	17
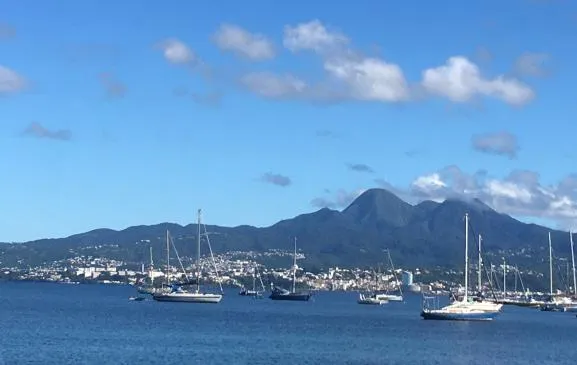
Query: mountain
421	235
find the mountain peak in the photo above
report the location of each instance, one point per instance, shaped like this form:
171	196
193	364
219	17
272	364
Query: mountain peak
379	205
471	204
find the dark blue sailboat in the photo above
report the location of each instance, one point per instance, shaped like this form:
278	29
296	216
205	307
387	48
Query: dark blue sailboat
283	294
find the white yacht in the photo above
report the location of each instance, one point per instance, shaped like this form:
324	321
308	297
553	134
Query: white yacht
178	293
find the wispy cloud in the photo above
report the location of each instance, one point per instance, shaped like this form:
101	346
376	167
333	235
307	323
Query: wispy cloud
6	31
499	143
360	167
325	133
10	81
414	152
177	52
37	130
276	179
532	64
210	99
113	87
248	45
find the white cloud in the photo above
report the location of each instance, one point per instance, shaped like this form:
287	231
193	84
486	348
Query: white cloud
177	52
370	79
313	36
274	86
460	80
521	193
238	40
10	81
350	76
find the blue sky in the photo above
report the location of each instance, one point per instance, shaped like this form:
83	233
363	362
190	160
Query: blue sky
123	113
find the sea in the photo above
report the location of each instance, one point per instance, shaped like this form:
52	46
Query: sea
47	323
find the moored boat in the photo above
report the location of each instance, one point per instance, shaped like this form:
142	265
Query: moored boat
370	300
292	295
465	309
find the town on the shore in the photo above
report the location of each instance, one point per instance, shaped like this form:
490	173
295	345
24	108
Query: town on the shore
236	269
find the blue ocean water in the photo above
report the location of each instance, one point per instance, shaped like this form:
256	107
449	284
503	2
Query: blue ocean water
47	324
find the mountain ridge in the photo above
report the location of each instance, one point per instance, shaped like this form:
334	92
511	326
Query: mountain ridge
424	234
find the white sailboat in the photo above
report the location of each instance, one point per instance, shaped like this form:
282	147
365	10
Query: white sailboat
371	299
465	309
179	294
388	296
573	306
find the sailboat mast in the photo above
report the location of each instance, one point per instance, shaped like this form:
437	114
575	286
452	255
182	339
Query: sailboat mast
550	266
479	279
167	260
198	251
151	266
573	263
504	278
466	256
295	266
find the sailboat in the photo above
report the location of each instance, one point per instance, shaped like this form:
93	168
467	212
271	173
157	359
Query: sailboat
283	294
554	304
148	288
573	306
254	292
178	293
392	297
371	298
465	309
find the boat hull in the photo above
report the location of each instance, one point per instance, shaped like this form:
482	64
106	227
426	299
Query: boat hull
188	298
250	293
297	297
145	290
445	316
371	301
389	297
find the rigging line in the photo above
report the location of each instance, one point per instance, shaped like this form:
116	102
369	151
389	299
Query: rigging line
177	256
212	257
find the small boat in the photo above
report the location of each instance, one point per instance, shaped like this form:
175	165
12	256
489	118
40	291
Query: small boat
389	297
136	299
249	293
370	300
571	309
283	294
293	295
552	307
146	290
254	292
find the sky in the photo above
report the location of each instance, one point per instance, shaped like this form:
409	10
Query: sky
120	113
